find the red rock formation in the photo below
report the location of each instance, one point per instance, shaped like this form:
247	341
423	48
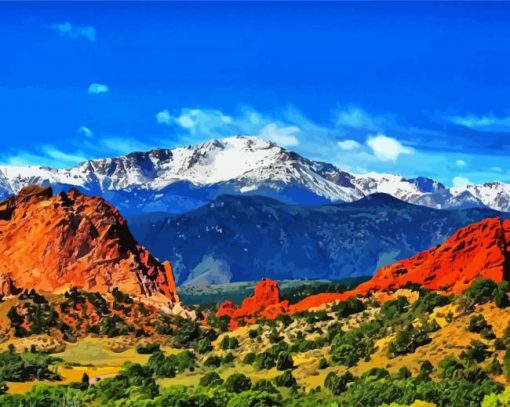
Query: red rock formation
479	250
55	242
265	303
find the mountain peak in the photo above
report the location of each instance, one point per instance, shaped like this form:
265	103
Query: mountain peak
183	178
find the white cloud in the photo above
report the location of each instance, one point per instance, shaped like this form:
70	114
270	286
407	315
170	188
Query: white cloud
85	131
482	123
387	148
460	163
75	31
98	88
497	169
284	136
201	122
354	117
47	155
348	145
461	181
164	117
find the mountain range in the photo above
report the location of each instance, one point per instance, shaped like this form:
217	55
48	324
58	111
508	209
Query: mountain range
181	179
244	238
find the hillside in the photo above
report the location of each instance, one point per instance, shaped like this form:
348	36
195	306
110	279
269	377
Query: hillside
248	238
418	347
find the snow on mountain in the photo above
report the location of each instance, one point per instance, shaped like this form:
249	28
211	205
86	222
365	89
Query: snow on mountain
180	179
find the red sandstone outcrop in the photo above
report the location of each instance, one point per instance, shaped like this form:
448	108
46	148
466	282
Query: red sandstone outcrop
481	249
55	242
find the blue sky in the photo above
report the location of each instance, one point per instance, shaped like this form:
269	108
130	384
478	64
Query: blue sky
409	88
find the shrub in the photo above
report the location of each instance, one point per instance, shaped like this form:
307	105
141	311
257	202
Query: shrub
228	358
213	361
501	295
148	348
391	310
254	399
323	363
285	380
25	367
407	340
349	307
477	323
337	384
169	366
350	347
204	345
249	359
284	361
133	381
211	379
229	343
265	360
475	352
404	373
237	383
264	385
481	291
506	364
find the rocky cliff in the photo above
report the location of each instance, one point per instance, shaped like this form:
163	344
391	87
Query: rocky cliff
54	242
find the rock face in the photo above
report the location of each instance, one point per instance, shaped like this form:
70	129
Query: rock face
55	242
265	303
479	250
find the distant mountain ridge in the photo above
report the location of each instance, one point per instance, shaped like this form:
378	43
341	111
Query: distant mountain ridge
181	179
243	238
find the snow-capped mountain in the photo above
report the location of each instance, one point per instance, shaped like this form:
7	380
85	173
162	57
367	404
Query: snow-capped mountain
180	179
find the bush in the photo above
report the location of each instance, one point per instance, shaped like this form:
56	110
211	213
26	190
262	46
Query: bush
285	380
25	367
407	340
349	307
204	345
211	379
404	373
255	399
228	358
265	385
337	384
229	343
284	361
133	381
477	323
265	360
348	348
249	359
475	352
506	364
323	363
237	383
148	348
213	361
391	310
481	291
169	366
428	301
